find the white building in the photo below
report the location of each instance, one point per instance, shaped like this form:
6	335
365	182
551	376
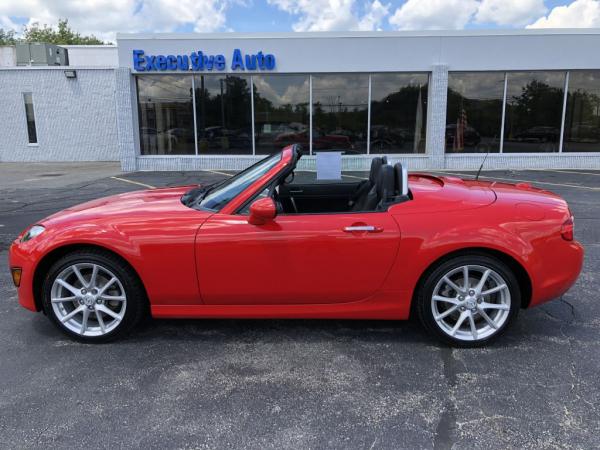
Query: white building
530	98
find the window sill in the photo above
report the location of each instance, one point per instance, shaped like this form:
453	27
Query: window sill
33	145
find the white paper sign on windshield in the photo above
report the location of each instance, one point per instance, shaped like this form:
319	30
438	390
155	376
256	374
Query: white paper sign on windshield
329	165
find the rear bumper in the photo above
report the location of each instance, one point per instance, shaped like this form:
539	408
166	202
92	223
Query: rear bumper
557	270
17	257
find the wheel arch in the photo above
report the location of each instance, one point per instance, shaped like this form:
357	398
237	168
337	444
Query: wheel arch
518	269
55	254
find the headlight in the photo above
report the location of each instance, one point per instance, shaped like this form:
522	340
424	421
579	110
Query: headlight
34	231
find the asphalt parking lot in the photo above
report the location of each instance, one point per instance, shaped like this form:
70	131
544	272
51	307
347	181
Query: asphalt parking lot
301	383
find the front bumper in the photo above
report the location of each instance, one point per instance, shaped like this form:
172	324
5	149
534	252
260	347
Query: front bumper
18	256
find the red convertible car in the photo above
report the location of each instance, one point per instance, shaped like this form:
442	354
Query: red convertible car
463	256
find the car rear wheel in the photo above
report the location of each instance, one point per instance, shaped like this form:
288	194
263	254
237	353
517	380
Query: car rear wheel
469	300
93	296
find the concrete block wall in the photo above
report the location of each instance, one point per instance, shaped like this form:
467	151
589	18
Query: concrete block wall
75	118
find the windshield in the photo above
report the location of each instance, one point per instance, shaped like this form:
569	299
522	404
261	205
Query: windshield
220	195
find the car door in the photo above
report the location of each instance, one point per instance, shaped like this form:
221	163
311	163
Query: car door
296	258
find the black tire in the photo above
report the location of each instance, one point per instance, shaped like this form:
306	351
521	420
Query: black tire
431	279
136	305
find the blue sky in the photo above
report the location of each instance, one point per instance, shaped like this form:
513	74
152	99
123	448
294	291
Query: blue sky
106	17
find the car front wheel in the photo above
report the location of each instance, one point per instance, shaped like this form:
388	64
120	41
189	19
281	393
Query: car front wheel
93	296
469	300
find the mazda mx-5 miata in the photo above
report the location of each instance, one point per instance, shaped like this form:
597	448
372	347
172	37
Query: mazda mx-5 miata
461	255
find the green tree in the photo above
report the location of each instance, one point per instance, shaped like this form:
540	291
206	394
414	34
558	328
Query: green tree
63	36
7	37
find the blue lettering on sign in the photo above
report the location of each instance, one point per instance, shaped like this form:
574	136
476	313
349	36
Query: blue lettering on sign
199	61
237	62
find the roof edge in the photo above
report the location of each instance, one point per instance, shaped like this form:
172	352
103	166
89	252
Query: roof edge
361	34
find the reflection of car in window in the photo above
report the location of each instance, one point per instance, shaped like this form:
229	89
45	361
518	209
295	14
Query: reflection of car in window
584	132
538	134
218	137
471	137
388	138
181	133
321	141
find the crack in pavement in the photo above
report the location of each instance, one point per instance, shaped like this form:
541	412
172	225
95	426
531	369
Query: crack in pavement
446	427
571	308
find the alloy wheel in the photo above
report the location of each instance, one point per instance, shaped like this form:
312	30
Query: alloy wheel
471	302
88	299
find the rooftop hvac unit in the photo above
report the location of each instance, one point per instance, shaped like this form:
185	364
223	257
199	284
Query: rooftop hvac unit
40	54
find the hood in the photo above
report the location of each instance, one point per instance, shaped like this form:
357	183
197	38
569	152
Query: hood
148	203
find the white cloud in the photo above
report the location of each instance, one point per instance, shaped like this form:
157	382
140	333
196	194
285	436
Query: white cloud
434	14
509	12
329	15
579	14
104	18
7	24
375	14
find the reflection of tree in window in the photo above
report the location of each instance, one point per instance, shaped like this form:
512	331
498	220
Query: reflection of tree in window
340	109
474	112
280	111
582	118
534	112
398	113
223	114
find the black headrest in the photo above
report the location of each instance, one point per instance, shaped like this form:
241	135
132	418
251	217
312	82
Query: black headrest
385	183
398	178
376	163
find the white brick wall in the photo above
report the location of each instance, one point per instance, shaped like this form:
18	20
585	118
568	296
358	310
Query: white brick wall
75	118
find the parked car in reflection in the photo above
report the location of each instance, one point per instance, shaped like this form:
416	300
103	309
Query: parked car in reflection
181	134
221	138
387	138
471	138
321	141
584	133
538	134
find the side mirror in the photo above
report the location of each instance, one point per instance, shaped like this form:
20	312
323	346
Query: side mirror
262	211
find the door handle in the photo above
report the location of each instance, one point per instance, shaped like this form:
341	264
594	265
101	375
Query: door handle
296	191
365	228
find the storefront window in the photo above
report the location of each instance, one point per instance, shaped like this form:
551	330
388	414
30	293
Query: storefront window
280	111
398	113
582	120
340	109
474	112
534	103
166	115
223	114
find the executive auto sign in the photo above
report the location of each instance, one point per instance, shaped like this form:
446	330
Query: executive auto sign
199	62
